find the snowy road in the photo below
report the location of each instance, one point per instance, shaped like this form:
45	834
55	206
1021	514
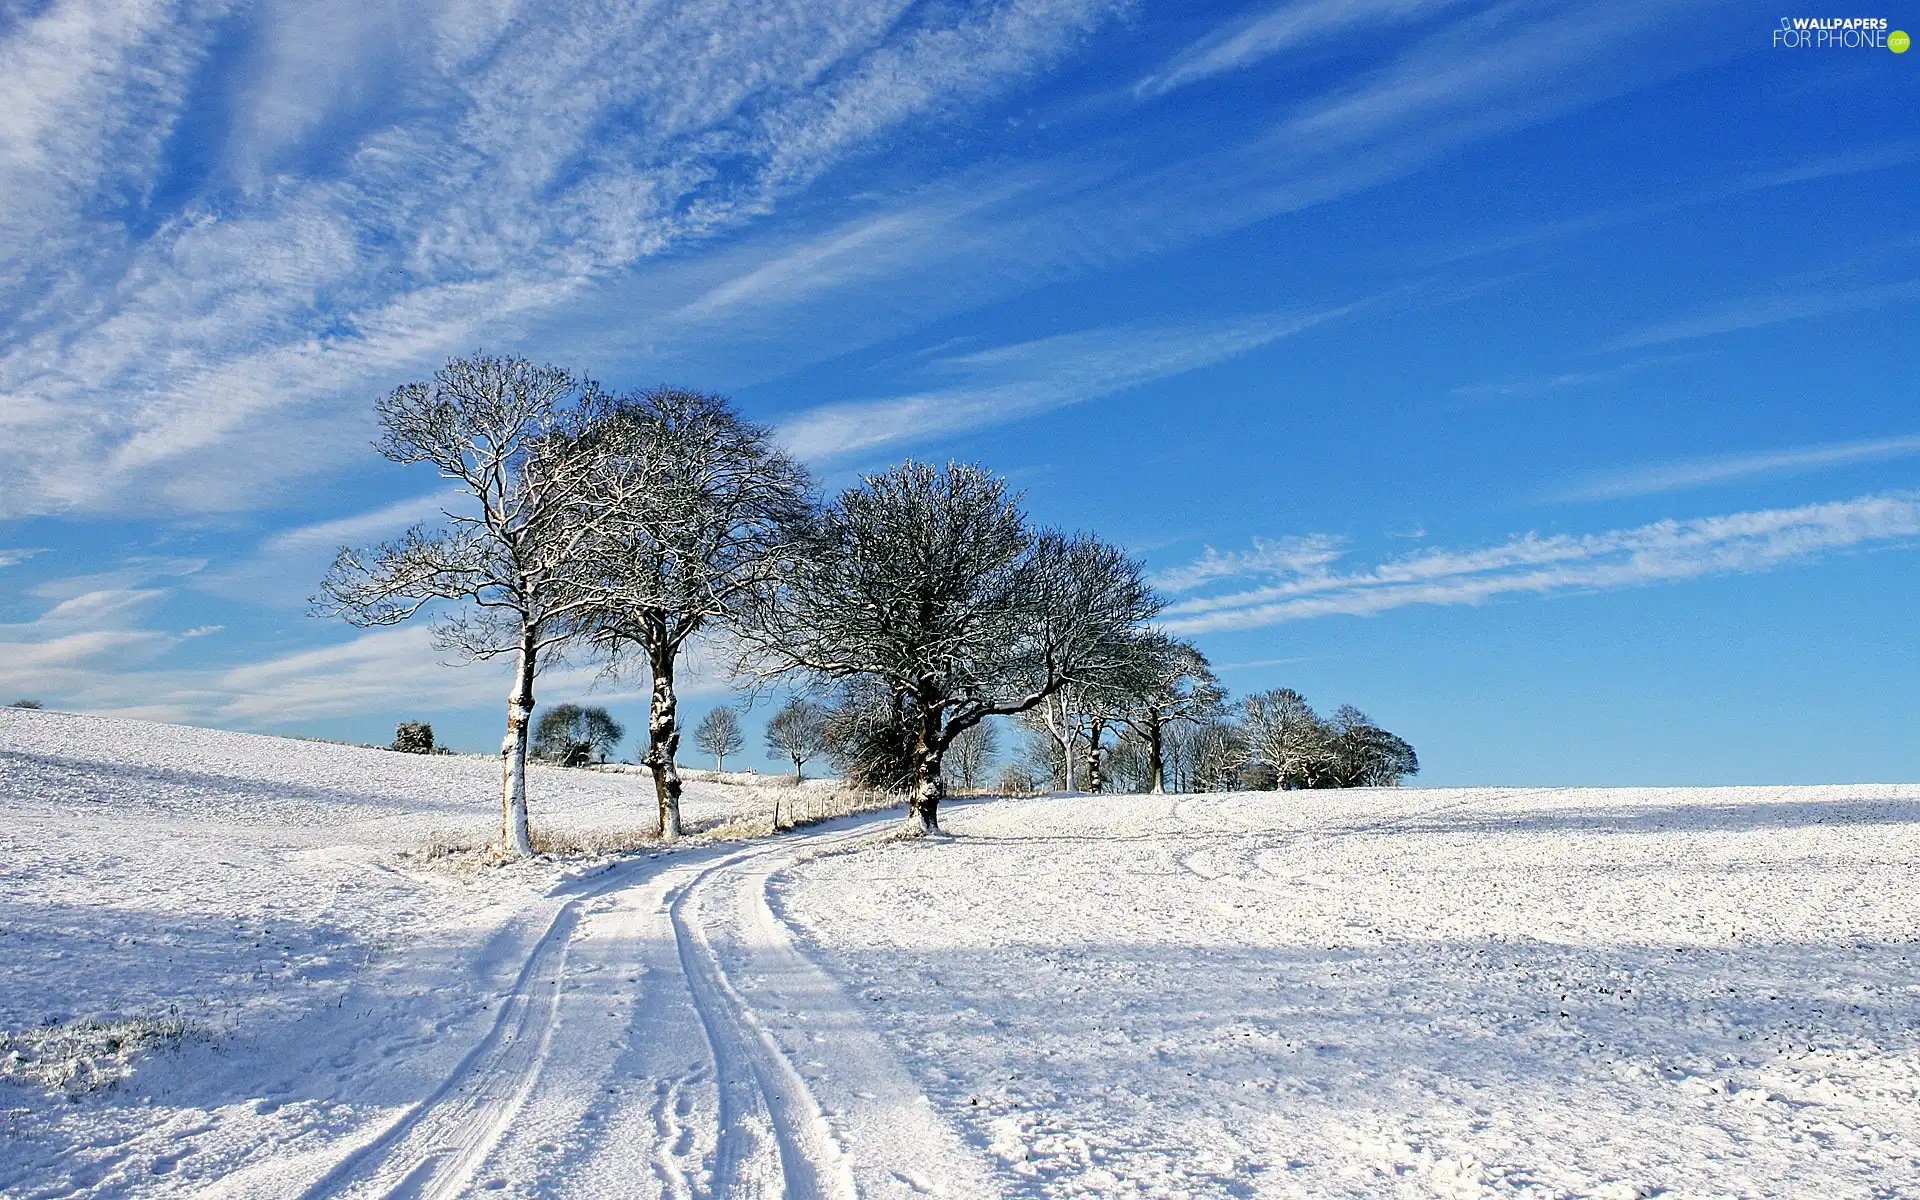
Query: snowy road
665	1037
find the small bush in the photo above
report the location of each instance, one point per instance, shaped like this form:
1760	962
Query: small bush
1258	777
26	704
413	737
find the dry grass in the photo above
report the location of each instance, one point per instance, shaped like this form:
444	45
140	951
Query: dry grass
87	1056
588	843
464	856
799	806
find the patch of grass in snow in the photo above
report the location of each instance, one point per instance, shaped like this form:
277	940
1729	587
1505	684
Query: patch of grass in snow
799	806
89	1055
464	856
589	843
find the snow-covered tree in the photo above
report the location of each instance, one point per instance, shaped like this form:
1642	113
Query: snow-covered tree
412	737
1176	687
1055	723
1218	749
798	732
1283	731
573	734
719	735
503	555
930	582
1365	755
688	509
870	731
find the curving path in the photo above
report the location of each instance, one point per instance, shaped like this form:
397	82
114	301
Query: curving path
666	1036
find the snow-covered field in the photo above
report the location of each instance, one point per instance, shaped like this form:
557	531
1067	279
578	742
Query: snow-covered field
1493	992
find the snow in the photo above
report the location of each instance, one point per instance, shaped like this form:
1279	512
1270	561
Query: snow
1490	992
1676	992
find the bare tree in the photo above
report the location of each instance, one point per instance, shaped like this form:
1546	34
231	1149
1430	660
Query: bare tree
1283	730
974	749
488	424
1124	768
689	508
870	732
798	731
929	581
719	735
1365	755
1103	704
1058	720
1219	749
1176	685
572	734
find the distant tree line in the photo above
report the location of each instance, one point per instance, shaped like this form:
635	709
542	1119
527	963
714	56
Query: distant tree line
1269	740
920	605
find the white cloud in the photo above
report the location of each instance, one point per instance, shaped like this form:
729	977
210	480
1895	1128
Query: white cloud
1700	472
1287	556
1530	564
131	573
509	166
1758	312
361	527
1251	40
399	669
466	175
1006	382
97	651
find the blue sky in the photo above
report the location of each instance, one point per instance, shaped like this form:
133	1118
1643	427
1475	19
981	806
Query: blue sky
1539	378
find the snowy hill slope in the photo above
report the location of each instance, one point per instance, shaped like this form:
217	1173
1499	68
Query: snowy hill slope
242	885
1543	993
1484	992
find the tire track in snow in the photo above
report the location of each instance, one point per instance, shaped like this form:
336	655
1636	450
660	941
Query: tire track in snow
772	1137
849	1114
436	1147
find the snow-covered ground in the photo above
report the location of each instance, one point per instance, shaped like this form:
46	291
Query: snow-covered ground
1611	993
1674	992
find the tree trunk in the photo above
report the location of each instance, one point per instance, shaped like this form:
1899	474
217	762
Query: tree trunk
923	808
1062	731
796	772
1094	731
663	744
1156	763
515	842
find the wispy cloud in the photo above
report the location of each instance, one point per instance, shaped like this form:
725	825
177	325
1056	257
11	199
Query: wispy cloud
1700	472
100	646
1543	385
1758	312
1530	564
1852	162
361	527
1008	382
1288	556
1254	39
383	191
